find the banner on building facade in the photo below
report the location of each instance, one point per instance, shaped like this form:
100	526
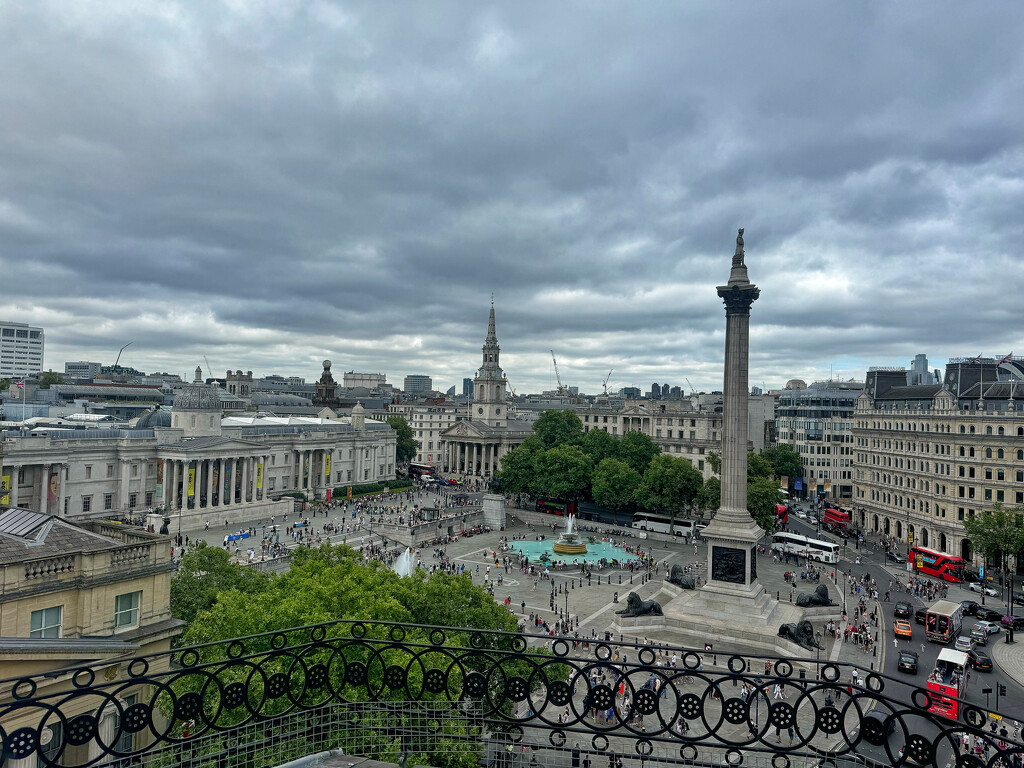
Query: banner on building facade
828	486
784	482
191	482
798	484
159	478
327	467
5	489
259	476
348	495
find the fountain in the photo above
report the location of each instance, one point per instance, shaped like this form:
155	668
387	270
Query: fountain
405	563
569	542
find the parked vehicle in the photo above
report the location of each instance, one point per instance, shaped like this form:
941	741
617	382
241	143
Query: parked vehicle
977	586
895	557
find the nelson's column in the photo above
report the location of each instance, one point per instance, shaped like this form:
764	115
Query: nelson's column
733	535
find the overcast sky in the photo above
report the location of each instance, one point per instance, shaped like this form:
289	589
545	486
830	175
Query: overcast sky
273	183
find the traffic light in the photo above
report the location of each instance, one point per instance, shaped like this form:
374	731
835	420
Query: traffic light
1002	689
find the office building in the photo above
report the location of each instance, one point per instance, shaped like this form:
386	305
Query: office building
414	384
21	350
467	387
82	369
353	379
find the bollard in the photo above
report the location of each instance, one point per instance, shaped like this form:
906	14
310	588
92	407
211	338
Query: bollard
874	652
803	674
872	666
620	578
631	578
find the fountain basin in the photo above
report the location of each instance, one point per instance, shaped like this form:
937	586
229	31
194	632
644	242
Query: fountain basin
563	547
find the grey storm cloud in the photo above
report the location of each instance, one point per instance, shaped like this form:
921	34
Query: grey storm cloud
272	183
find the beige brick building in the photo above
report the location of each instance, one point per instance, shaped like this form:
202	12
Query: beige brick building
95	595
926	459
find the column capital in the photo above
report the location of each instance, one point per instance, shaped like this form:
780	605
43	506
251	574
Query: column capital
738	298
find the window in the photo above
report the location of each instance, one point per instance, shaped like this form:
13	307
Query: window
126	610
46	623
88	472
110	470
108	501
149	498
126	739
132	499
87	503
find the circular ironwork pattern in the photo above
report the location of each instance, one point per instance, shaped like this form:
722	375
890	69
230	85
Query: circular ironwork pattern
485	677
81	730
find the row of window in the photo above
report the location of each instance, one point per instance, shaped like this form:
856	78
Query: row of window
48	622
963	429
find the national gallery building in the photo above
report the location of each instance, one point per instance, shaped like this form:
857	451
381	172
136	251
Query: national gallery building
190	458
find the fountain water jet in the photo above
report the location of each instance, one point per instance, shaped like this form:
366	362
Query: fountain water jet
405	563
569	542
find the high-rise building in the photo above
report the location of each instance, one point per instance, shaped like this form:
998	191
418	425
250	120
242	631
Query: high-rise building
665	390
415	383
919	372
369	380
21	350
467	387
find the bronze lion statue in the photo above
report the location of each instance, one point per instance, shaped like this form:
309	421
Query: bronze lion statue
637	607
801	633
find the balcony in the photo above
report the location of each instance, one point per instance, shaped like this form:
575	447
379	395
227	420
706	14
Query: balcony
459	697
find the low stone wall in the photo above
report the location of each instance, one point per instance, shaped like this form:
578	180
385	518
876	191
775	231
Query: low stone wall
232	513
453	522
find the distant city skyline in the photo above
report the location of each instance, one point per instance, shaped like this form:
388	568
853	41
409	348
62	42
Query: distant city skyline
267	186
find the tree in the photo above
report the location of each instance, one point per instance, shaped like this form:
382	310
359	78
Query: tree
205	573
757	467
710	497
714	458
762	496
407	446
5	384
562	473
517	471
785	462
615	483
599	445
998	533
670	484
50	377
637	449
558	428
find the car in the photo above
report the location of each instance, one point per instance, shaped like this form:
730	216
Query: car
979	635
919	615
902	628
989	614
1018	599
895	557
980	660
1017	622
907	662
902	610
963	643
970	607
801	514
977	586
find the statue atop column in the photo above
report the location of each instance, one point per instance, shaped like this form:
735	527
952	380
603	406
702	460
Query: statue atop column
737	258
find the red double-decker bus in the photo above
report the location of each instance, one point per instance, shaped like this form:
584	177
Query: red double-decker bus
932	563
947	683
556	507
781	515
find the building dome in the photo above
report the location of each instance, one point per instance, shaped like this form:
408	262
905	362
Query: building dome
197	397
156	418
796	384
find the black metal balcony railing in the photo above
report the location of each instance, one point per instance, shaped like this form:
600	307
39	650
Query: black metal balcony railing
456	697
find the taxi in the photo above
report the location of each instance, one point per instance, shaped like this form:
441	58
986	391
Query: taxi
901	628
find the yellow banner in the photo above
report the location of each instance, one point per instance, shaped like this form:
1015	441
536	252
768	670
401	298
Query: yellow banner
784	482
327	467
259	476
5	488
828	486
191	482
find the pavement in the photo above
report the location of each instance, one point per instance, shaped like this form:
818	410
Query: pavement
1010	658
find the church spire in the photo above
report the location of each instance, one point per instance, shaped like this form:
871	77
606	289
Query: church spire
491	334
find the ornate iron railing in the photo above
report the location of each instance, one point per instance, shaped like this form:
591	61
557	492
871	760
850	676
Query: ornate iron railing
449	696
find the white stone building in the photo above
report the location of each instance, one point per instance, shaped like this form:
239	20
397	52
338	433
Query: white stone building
190	458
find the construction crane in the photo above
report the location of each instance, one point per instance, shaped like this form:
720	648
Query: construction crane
209	370
692	390
558	377
605	382
118	359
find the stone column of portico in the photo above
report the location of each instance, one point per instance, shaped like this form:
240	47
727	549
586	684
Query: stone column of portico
44	482
143	469
252	477
732	536
61	471
209	483
245	479
122	490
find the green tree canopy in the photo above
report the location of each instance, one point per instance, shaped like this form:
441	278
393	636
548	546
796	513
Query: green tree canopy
558	428
997	532
785	461
599	445
562	473
615	483
517	470
205	573
670	484
710	496
406	446
637	449
762	496
714	458
757	467
49	378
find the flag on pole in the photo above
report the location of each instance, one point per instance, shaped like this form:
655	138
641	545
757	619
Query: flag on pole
977	359
1006	359
21	385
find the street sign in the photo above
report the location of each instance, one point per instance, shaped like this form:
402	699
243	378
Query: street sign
981	572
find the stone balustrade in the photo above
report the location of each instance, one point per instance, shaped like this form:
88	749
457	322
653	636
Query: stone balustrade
53	566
